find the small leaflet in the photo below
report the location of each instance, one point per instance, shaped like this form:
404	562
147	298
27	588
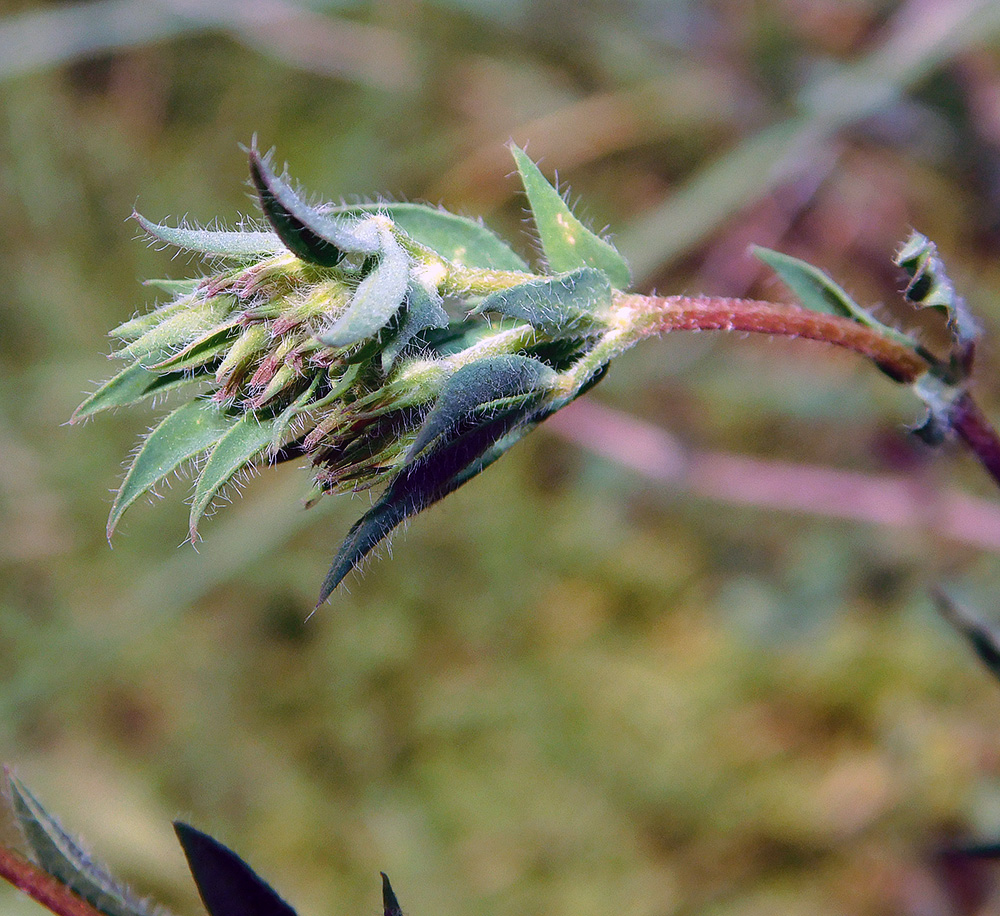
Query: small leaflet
567	243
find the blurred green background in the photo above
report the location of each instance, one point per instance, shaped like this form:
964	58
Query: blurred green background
575	688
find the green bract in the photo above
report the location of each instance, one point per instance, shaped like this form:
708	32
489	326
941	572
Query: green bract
392	345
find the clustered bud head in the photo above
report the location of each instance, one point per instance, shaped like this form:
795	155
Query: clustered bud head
393	345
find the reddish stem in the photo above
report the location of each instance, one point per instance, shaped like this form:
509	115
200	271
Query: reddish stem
41	886
712	313
977	433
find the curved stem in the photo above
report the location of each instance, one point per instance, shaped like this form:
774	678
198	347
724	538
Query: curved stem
41	886
660	314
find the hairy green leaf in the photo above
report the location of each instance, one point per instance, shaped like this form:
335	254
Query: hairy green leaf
455	238
307	233
421	483
130	386
423	310
567	305
227	885
567	243
201	351
174	287
219	243
377	298
177	330
58	854
476	392
245	441
188	431
817	292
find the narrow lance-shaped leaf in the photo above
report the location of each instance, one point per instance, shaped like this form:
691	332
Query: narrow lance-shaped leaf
306	233
377	298
567	243
218	243
227	885
187	432
245	441
418	485
57	853
481	404
567	305
128	387
817	292
474	391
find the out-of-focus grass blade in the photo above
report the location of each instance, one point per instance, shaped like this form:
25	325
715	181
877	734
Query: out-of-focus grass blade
982	636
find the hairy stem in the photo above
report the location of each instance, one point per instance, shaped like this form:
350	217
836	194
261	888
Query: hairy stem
660	314
977	433
41	886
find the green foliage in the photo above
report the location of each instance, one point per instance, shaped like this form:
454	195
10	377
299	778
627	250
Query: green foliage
567	243
338	348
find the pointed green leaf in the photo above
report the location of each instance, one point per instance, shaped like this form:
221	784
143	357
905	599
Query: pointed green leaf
423	310
57	853
178	329
138	325
246	440
477	391
377	299
199	352
227	885
567	243
175	287
420	483
817	292
567	305
226	244
455	238
284	420
187	432
307	233
130	386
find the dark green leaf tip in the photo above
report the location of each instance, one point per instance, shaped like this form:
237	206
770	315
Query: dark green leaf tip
390	904
305	232
227	885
